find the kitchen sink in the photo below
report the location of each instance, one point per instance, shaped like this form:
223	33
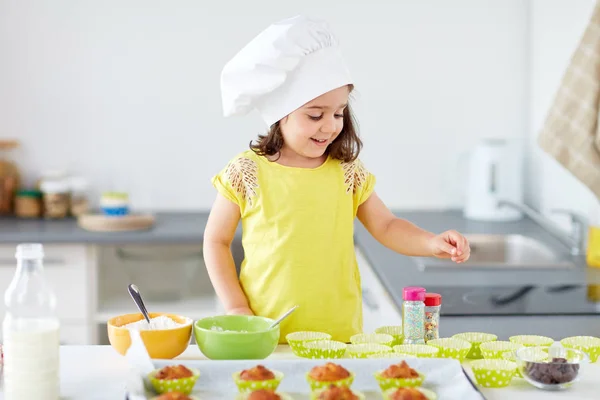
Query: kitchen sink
506	251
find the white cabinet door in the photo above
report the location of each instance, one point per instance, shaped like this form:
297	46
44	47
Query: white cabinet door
378	307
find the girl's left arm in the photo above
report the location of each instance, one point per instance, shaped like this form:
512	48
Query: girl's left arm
406	238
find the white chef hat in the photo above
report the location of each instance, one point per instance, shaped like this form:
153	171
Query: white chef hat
287	65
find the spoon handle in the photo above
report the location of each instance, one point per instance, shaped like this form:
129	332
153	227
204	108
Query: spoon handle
291	310
137	298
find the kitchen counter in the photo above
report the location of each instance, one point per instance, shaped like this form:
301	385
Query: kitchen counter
103	376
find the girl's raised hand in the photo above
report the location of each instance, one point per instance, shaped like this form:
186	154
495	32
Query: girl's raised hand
452	245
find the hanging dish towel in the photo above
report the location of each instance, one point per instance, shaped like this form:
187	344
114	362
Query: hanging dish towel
571	132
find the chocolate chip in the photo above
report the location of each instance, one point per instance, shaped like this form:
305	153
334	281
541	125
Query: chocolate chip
559	371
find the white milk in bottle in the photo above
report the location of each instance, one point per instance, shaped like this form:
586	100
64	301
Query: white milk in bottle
30	331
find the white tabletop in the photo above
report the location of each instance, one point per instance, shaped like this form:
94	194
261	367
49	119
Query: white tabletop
98	372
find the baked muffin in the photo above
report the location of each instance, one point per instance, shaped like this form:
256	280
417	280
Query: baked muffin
322	376
401	370
329	372
173	396
263	394
174	372
258	373
407	393
336	393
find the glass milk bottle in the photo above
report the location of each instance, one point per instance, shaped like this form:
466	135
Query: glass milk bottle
30	331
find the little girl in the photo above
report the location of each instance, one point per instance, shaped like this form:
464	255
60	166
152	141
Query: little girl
298	189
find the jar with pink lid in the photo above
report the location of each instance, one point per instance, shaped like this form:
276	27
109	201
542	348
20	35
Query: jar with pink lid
413	315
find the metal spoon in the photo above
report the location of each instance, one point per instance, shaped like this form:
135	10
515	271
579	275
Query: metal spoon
137	298
284	316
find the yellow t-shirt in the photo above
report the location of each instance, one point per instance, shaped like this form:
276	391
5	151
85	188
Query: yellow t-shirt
298	239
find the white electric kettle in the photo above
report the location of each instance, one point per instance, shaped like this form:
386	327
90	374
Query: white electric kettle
495	173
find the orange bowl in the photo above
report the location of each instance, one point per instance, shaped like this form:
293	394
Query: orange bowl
160	343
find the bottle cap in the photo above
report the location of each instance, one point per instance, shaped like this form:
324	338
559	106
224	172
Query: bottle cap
30	251
412	293
433	299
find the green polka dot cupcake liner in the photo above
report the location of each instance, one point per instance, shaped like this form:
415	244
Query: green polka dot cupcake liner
494	350
297	340
451	348
493	373
429	394
246	395
393	330
418	350
391	354
532	340
388	383
183	385
476	339
316	385
316	393
191	397
324	349
590	345
364	350
377	338
252	385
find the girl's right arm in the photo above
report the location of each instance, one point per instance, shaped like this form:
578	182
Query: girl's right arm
218	236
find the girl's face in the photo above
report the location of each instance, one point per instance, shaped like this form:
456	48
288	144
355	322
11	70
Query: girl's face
310	129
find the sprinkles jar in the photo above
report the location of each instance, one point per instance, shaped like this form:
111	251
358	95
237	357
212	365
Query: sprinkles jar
433	303
413	315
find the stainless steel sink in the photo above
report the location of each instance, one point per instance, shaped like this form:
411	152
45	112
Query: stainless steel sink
505	251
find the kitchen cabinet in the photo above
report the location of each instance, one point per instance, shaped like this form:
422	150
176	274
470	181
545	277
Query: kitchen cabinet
378	308
68	270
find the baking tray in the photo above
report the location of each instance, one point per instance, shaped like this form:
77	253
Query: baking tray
443	376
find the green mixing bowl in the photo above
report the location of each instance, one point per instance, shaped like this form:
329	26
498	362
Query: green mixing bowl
236	337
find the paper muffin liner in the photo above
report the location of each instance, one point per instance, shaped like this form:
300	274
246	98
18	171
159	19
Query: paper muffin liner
391	354
532	340
430	394
377	338
451	348
323	349
315	394
388	383
419	350
245	395
190	396
252	385
476	339
493	373
316	385
494	350
183	385
395	331
363	350
297	340
588	344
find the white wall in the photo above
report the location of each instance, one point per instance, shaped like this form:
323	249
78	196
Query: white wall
127	92
556	28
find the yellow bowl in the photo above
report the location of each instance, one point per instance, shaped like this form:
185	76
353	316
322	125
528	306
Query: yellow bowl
160	343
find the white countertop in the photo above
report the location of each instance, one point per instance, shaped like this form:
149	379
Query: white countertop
98	372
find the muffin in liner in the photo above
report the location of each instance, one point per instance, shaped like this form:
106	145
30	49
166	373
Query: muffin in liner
252	385
430	394
451	348
419	350
493	373
316	384
476	339
395	331
364	350
322	349
377	338
388	383
298	339
183	385
494	350
314	395
588	344
531	340
245	395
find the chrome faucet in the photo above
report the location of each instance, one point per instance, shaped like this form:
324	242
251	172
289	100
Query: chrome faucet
574	241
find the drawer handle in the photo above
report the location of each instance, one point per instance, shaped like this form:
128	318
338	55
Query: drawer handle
12	263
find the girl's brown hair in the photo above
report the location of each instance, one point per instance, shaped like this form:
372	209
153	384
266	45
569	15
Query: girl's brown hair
345	147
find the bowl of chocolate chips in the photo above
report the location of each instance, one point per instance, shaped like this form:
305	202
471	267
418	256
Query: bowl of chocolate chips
557	368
